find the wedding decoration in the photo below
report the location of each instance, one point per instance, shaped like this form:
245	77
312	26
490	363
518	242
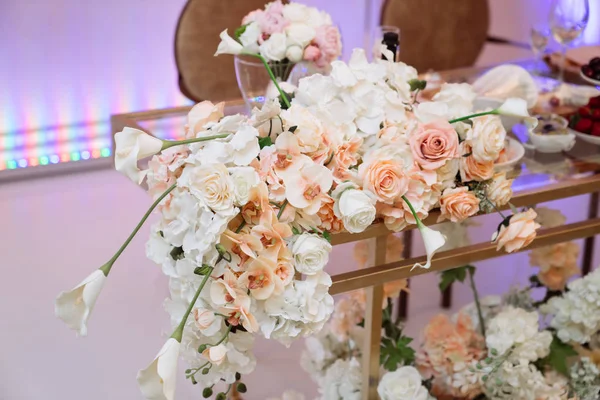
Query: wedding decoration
247	205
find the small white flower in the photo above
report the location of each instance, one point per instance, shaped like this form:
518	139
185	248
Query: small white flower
296	12
355	208
245	145
403	384
244	179
75	306
310	252
158	380
433	241
300	34
250	37
458	97
216	354
294	54
228	45
274	48
133	145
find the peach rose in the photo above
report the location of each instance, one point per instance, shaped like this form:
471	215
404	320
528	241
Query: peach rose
471	169
386	179
458	204
557	264
329	221
200	115
499	190
433	144
516	232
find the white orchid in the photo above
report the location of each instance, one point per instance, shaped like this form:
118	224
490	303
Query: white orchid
75	306
158	380
133	145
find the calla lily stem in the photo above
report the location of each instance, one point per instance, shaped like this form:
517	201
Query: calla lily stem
477	303
272	76
481	114
106	267
170	143
280	213
412	210
178	332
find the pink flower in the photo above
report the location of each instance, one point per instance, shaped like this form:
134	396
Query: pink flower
252	16
519	233
271	20
458	204
329	42
386	179
312	53
164	168
434	144
308	186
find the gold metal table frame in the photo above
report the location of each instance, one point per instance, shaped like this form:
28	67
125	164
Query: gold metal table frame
575	177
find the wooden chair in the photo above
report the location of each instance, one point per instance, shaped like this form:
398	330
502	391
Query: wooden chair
201	75
438	34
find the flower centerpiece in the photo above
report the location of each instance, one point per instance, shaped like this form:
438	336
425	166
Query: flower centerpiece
247	205
282	35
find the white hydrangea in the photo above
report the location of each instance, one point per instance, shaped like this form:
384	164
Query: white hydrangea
518	381
517	329
342	381
576	315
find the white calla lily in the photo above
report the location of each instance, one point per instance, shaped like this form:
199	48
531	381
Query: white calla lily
75	306
517	108
158	380
433	241
228	45
133	145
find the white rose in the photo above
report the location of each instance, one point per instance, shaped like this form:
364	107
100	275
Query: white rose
431	111
294	54
296	12
300	34
499	190
459	98
403	384
486	138
355	208
244	179
310	252
133	145
158	380
209	183
75	306
274	48
446	174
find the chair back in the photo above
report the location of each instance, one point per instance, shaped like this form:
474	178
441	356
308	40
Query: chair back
201	75
438	34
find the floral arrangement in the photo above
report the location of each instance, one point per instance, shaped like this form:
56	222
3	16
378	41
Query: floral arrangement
285	34
247	204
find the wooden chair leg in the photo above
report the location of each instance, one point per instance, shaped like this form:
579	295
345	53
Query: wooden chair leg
447	297
588	246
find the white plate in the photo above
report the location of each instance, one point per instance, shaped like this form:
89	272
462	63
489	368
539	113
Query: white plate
588	79
515	151
587	138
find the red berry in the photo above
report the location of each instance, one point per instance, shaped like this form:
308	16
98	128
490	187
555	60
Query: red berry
594	102
554	101
585	111
596	114
596	129
584	125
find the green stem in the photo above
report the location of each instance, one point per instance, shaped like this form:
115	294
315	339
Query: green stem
270	72
473	116
495	208
170	143
477	303
178	332
106	267
412	210
285	203
224	337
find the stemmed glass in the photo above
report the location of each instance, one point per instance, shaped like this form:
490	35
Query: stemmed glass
568	19
539	37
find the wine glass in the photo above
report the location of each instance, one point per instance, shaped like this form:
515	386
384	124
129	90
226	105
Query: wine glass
568	19
539	37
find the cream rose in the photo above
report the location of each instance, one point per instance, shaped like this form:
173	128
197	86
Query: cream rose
433	144
210	183
458	204
518	232
499	190
471	169
310	253
384	178
299	34
403	384
486	138
273	49
202	114
244	180
296	12
446	174
355	208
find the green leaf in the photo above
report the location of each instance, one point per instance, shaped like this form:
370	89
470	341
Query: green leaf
295	231
452	275
177	253
417	84
265	142
240	31
559	354
327	236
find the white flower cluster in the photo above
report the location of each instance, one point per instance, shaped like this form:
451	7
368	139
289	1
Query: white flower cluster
342	381
585	379
404	383
575	314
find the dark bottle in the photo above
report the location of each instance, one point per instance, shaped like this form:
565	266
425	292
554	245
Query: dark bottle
391	41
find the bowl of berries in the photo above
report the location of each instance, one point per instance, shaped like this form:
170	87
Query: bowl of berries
591	71
586	121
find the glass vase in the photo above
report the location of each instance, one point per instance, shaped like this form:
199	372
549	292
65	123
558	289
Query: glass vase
254	81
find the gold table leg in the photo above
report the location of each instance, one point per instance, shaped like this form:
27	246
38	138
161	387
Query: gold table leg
373	317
